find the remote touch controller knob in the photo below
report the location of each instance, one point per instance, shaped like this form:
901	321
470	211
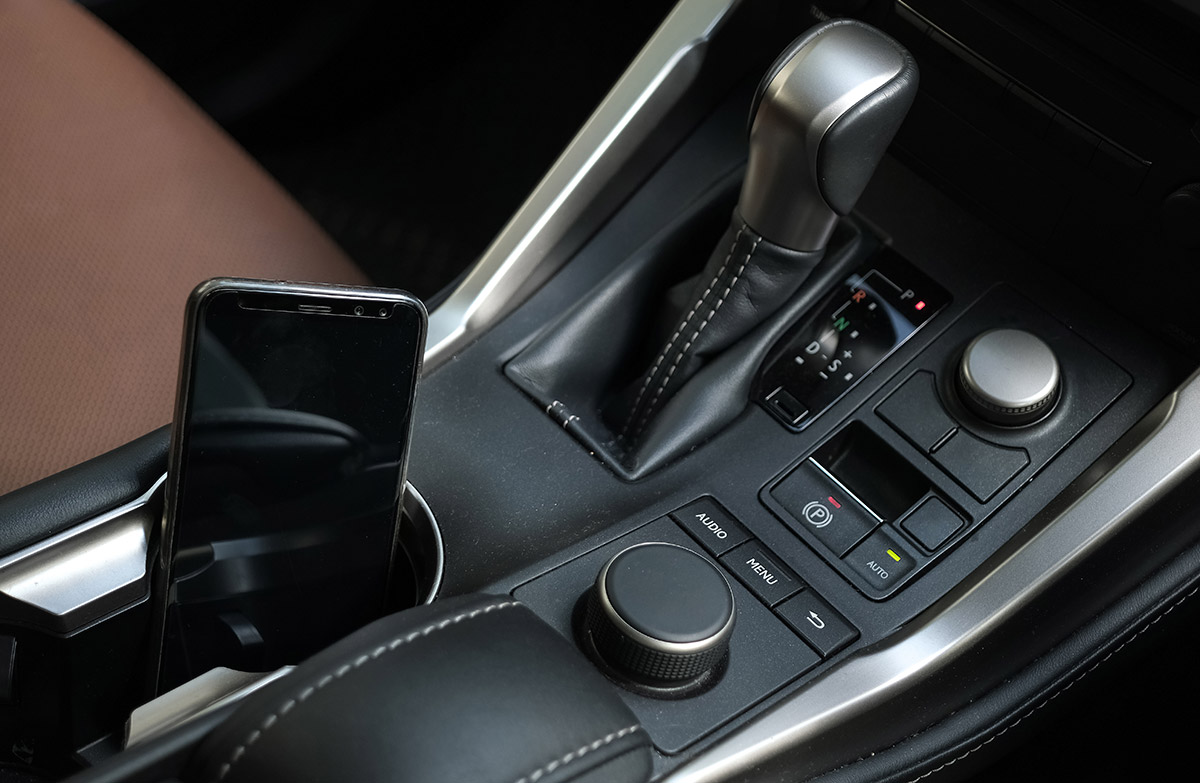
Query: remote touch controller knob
1009	377
660	614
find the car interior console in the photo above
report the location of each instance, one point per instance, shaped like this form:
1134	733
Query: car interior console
837	489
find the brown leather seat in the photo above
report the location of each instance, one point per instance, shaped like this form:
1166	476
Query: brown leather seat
117	196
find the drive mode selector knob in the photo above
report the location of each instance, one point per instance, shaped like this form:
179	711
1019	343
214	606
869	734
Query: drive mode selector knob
660	614
1009	377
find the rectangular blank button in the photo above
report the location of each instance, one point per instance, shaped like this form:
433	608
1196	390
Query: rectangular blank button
914	411
932	524
979	466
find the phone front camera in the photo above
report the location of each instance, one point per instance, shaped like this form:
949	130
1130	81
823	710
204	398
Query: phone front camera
358	309
383	312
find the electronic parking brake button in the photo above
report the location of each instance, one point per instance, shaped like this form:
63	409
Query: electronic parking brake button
711	525
881	561
761	572
823	508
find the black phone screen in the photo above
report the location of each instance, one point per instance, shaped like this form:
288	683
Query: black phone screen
295	431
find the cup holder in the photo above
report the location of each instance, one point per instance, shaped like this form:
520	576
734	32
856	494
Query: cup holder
60	607
421	550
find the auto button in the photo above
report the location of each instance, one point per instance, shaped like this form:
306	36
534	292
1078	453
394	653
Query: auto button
882	561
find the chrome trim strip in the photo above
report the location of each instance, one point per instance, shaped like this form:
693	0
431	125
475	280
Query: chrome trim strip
100	565
1166	456
86	571
211	690
844	489
414	503
641	98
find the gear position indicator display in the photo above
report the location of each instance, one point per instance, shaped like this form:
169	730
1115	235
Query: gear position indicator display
875	311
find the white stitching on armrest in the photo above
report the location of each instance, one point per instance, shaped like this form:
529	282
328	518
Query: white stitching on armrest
574	755
344	669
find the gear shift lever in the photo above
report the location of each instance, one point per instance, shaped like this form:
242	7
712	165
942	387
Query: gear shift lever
822	119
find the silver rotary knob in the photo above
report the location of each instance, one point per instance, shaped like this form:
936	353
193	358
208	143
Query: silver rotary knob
1009	377
660	614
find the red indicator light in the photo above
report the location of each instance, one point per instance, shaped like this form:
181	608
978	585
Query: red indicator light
920	305
834	502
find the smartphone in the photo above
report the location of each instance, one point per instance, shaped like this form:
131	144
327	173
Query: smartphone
286	474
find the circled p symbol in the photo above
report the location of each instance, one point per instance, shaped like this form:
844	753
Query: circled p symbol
817	514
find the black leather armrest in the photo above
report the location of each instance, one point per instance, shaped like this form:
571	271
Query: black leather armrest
77	494
475	689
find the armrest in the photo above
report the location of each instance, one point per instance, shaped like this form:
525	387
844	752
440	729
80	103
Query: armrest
471	688
73	496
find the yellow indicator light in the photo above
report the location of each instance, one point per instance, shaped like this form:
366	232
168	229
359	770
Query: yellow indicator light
895	556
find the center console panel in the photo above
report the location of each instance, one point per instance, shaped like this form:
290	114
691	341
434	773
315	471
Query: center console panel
917	488
908	481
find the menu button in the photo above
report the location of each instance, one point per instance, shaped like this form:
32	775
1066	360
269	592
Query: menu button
758	570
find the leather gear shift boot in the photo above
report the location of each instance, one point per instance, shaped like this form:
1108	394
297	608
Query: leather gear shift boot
746	279
588	369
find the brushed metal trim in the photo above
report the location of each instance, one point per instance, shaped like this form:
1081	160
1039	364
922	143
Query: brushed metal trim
651	85
211	690
430	542
1167	453
85	572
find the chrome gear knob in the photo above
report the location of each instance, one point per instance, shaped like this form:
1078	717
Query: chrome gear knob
821	120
